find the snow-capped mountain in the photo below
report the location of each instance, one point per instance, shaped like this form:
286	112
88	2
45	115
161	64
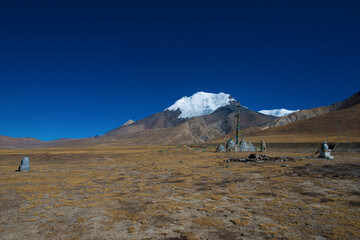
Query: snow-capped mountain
201	103
198	118
278	112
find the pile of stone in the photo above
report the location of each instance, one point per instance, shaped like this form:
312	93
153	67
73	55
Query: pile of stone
246	146
231	146
257	158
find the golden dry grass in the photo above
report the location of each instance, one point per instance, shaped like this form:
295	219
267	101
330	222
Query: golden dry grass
140	193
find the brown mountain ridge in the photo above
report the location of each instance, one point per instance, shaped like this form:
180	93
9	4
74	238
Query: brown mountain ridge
313	112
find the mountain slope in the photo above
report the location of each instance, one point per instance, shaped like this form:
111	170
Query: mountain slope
342	122
309	113
163	119
168	128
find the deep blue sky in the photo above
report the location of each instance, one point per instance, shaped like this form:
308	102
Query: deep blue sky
79	68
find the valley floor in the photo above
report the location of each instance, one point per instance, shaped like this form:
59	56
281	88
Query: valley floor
141	193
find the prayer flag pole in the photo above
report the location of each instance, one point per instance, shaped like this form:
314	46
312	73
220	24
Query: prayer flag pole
237	124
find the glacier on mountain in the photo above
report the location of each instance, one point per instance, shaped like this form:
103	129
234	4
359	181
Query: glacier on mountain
201	103
278	112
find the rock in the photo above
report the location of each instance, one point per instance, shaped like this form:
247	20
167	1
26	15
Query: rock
231	146
25	165
263	146
220	148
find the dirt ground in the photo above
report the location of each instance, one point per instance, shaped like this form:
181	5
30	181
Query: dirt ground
141	193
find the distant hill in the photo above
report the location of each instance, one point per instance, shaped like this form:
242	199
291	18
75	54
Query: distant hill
29	142
345	122
10	142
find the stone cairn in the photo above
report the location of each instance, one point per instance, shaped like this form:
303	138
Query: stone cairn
324	151
25	165
231	146
246	146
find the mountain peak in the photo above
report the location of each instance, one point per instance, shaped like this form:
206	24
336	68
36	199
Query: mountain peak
278	112
201	103
129	122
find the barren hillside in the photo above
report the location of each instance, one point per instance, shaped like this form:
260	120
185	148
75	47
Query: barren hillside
309	113
341	125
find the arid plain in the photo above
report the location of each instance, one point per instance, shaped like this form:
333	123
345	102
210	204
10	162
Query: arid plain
112	192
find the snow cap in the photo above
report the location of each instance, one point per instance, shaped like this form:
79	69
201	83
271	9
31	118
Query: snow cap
201	103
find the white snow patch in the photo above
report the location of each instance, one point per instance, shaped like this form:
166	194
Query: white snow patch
201	103
278	112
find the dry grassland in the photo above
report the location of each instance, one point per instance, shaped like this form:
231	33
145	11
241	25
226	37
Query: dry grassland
140	193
